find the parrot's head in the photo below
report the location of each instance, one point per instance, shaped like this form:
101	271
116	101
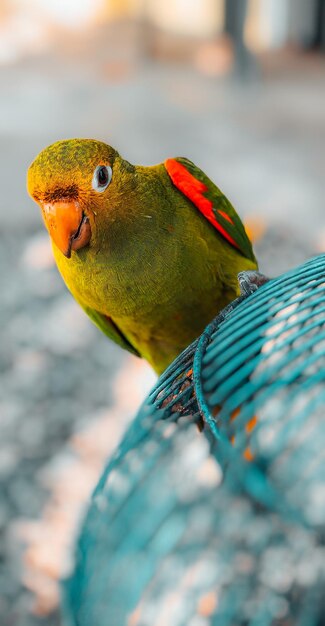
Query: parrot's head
78	184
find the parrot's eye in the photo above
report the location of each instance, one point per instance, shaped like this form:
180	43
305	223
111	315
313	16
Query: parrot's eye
102	177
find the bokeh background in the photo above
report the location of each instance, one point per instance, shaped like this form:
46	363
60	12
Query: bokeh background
238	87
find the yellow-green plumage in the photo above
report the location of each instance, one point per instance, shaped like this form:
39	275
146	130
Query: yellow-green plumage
155	271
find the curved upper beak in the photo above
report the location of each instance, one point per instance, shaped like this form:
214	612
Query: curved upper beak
68	226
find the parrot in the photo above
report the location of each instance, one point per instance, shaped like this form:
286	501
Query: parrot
151	253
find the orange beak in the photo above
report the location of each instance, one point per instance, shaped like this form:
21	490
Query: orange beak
69	228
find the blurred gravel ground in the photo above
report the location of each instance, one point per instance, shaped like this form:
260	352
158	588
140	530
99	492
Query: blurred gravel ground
56	373
264	145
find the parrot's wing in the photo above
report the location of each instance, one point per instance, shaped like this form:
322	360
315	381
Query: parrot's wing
210	201
107	326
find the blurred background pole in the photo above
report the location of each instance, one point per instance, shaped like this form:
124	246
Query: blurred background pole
235	18
146	33
318	41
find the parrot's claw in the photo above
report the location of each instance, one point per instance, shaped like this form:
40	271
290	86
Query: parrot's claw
250	281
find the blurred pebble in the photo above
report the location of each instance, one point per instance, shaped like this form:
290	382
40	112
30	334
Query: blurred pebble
38	252
8	460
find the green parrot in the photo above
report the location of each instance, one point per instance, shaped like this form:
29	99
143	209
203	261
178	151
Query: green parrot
151	254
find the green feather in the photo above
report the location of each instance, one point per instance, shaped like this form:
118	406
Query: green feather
110	329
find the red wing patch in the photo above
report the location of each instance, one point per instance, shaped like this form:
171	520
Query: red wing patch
226	216
194	189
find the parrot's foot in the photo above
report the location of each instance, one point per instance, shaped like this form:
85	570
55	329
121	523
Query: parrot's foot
250	281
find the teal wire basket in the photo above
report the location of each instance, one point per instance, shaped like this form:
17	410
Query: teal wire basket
212	510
